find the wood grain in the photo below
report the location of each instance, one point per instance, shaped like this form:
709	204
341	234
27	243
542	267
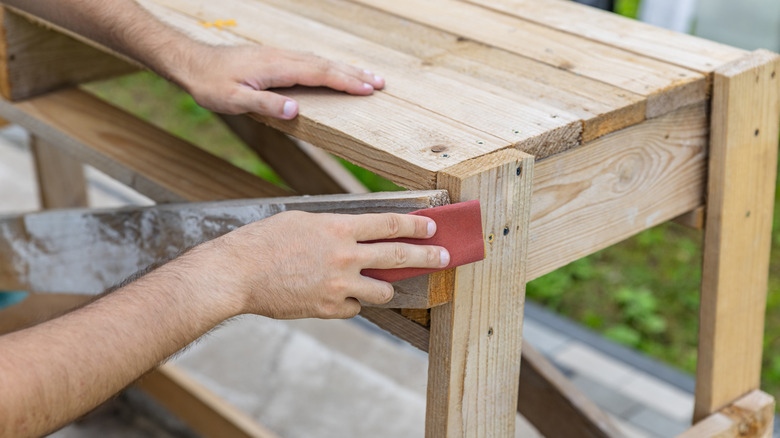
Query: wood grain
631	35
88	251
751	416
603	108
147	159
737	239
304	169
601	193
35	60
476	339
61	182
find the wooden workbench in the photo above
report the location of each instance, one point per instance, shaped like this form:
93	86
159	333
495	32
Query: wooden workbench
574	127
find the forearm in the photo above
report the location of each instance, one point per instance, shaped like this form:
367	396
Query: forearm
124	26
56	371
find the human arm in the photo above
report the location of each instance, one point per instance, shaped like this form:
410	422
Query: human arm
291	265
229	80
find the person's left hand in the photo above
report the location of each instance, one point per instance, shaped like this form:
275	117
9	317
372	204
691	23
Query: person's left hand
234	80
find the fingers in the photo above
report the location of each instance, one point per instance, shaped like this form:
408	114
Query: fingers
393	255
248	100
313	71
390	225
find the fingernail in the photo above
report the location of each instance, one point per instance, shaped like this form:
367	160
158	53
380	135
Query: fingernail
378	78
367	86
368	72
289	110
431	228
445	257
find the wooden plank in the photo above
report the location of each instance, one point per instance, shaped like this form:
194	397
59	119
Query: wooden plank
61	182
37	308
603	108
752	416
692	219
737	239
605	27
541	130
476	339
667	87
199	407
143	157
35	60
398	325
302	168
546	397
591	197
88	251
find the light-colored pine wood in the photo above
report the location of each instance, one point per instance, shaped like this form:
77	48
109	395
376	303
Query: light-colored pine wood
143	157
541	130
752	416
602	107
35	60
199	407
302	168
476	339
692	219
398	325
740	199
554	405
61	182
614	187
667	87
605	27
88	251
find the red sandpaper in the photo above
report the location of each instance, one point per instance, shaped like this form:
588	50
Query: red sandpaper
458	228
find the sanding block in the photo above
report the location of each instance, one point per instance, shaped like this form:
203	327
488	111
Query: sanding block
458	228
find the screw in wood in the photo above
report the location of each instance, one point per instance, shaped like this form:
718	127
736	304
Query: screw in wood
480	142
519	171
445	155
491	237
515	131
490	331
506	231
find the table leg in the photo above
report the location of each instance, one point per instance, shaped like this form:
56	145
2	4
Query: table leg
476	339
741	187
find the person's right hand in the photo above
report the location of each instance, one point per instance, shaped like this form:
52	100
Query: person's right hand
300	265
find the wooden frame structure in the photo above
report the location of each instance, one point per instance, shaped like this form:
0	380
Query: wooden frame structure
590	129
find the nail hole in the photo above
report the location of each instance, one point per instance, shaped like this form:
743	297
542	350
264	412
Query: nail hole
506	231
491	237
773	75
747	214
519	171
756	133
445	155
490	331
515	131
480	142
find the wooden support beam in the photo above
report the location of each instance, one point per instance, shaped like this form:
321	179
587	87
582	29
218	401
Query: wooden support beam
141	156
554	405
61	182
737	239
36	60
88	251
751	416
692	219
199	407
305	168
475	340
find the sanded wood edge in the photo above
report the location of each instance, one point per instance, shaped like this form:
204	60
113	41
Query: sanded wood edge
199	407
751	416
35	59
737	238
546	397
88	251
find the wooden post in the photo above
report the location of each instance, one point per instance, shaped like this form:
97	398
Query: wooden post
61	182
476	339
743	159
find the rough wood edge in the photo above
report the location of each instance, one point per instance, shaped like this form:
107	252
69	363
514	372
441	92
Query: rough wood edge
751	416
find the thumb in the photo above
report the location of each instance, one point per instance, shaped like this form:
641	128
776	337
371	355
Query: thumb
267	103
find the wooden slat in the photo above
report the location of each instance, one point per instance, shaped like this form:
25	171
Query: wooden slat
752	416
88	251
476	339
692	219
145	158
542	130
34	60
615	187
554	405
61	182
605	27
302	168
201	409
603	108
737	239
667	87
398	325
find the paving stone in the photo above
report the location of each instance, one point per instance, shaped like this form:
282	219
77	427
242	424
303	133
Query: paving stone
543	339
657	423
629	430
603	369
660	396
604	397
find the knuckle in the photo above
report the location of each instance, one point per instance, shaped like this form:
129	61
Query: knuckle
386	293
433	257
400	255
393	224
